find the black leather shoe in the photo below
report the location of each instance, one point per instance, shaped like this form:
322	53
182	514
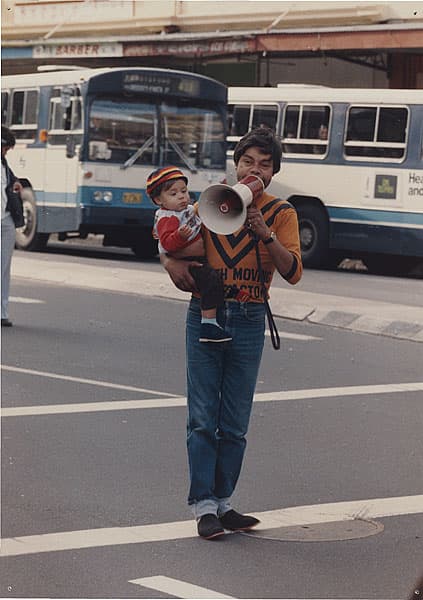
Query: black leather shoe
209	527
236	522
6	323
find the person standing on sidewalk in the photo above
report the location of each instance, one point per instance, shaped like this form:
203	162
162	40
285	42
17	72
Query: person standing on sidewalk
11	218
221	378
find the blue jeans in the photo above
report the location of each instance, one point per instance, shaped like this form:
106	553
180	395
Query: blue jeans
221	381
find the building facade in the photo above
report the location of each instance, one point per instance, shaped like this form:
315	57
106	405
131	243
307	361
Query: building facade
346	44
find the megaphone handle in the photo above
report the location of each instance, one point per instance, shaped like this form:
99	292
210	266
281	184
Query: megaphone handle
274	334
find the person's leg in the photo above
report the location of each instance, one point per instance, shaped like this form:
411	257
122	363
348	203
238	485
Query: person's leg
204	373
246	323
209	284
8	234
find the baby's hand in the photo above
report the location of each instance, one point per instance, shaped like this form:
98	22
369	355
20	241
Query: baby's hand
185	231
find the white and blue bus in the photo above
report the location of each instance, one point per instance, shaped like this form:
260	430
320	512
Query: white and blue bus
87	140
352	167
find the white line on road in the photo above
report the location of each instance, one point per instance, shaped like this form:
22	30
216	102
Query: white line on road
177	588
294	516
295	336
21	300
175	401
116	386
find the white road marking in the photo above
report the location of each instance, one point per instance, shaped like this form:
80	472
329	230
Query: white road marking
294	336
294	516
116	386
176	401
177	588
55	409
21	300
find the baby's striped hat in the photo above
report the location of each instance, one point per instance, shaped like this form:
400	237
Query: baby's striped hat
159	176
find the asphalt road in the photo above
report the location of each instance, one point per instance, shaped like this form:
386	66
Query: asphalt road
93	450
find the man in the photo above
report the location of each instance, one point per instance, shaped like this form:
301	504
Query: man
222	377
11	217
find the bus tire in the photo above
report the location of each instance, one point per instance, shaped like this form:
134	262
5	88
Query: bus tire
314	235
146	246
27	237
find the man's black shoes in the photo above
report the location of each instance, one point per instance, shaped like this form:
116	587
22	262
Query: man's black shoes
236	522
209	527
6	323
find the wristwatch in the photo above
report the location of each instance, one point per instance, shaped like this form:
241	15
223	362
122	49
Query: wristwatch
270	239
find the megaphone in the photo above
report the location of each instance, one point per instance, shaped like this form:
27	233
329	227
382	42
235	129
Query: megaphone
223	208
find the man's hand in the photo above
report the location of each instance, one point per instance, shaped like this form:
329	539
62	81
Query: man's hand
256	224
179	272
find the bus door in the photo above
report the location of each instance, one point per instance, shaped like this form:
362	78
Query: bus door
62	166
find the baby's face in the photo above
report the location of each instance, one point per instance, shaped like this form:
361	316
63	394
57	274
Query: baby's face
176	197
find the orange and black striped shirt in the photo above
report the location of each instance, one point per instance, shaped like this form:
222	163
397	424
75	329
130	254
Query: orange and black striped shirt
234	255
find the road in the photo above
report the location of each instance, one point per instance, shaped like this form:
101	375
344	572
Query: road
94	472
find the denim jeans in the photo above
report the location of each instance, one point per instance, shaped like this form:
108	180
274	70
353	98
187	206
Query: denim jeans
221	379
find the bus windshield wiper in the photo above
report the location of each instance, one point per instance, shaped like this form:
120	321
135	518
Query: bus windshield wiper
182	156
138	153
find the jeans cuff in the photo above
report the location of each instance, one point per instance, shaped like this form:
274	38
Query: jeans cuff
224	506
209	506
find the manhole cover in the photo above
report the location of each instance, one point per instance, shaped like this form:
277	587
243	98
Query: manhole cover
321	532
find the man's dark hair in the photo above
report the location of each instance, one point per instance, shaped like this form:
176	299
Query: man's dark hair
7	137
263	138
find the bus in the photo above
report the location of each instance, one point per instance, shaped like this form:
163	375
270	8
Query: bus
352	167
86	140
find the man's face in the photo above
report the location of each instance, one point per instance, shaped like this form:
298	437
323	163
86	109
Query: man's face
254	162
4	150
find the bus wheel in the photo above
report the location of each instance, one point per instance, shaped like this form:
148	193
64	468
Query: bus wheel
146	246
27	237
314	235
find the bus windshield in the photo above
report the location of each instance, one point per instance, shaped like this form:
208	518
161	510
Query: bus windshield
147	132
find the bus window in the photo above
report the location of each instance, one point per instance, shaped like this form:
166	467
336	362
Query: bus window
240	122
24	114
119	128
4	107
376	132
306	129
64	120
266	116
192	136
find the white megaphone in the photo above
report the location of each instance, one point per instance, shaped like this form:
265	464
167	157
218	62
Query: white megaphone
223	208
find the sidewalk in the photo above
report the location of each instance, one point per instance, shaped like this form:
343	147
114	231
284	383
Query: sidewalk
357	314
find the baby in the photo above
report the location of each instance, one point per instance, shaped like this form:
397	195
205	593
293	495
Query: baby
178	229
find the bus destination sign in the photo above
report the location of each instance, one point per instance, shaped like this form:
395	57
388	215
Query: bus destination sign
160	83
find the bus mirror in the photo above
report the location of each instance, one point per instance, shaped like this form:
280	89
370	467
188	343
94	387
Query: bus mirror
70	146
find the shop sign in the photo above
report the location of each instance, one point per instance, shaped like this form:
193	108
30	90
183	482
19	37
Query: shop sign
77	50
194	48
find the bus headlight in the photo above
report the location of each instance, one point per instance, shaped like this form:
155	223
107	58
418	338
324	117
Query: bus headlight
100	196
